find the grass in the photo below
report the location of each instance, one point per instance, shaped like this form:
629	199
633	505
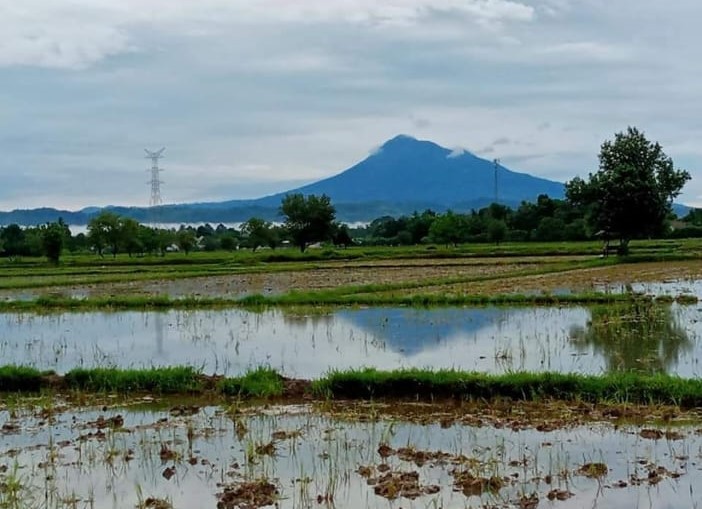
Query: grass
265	382
20	378
319	298
169	380
262	382
413	383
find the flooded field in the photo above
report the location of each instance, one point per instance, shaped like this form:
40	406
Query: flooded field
506	454
234	285
627	336
654	278
297	457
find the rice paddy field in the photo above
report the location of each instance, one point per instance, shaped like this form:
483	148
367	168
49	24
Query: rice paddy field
514	376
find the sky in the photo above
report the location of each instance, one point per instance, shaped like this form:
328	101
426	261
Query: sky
252	97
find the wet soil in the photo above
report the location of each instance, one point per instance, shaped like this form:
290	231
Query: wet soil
543	416
578	280
317	277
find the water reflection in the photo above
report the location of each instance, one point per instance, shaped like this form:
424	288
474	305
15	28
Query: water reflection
639	336
159	325
308	343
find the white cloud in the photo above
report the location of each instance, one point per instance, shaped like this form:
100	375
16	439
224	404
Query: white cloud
31	36
387	11
267	91
586	51
456	152
79	33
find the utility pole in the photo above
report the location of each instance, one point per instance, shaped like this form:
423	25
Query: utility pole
496	162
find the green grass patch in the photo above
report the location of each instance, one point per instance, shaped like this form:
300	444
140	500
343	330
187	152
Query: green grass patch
169	380
426	384
20	379
262	382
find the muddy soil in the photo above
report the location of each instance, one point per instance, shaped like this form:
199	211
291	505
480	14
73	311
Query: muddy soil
274	283
578	280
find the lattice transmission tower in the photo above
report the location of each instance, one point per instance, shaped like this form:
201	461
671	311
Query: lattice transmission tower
155	181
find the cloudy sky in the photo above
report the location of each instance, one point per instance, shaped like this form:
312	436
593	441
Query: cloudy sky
255	96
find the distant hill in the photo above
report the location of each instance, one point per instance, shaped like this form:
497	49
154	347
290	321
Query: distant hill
403	175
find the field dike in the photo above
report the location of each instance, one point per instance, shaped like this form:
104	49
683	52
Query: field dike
329	298
365	384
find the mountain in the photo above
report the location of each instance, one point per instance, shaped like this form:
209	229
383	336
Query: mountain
403	175
411	174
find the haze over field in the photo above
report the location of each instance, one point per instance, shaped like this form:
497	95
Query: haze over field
253	98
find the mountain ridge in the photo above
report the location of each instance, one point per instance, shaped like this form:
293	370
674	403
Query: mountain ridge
405	170
402	176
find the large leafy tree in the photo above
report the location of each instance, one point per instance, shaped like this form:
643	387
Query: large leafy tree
632	192
104	231
53	236
129	235
308	219
12	238
448	229
186	238
257	232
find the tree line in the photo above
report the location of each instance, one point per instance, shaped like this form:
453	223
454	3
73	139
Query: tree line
629	196
308	219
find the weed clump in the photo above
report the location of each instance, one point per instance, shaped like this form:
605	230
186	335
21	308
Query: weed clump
428	384
262	382
20	378
170	380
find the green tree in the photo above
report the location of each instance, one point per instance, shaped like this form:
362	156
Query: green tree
632	192
276	235
308	218
694	217
550	229
341	235
105	231
129	235
257	232
497	231
148	239
77	243
186	240
448	228
418	225
13	240
165	238
388	230
228	242
52	240
33	244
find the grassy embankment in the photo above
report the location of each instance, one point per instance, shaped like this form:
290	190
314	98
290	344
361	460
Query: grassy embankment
370	384
258	302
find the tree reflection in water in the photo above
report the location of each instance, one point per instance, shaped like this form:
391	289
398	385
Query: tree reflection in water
640	336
